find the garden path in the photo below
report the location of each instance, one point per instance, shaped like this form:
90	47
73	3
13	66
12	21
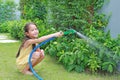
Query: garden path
5	39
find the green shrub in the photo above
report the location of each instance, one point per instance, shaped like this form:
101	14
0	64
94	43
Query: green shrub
99	53
5	27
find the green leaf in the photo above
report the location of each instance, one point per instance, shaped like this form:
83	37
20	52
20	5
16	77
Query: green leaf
70	67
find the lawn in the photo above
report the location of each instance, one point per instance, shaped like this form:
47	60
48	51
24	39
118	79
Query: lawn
48	69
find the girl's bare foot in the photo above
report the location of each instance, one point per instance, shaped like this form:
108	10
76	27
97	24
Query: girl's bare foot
27	72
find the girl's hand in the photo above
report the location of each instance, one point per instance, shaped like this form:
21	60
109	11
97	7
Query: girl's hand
58	34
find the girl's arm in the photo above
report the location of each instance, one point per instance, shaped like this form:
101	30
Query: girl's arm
33	41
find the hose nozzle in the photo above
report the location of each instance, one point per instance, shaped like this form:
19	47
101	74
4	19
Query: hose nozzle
71	31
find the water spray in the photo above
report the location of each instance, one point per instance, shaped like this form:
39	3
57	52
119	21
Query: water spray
95	44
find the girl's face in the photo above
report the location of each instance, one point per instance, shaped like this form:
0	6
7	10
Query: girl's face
32	31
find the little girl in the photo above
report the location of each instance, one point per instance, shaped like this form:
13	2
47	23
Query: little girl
30	41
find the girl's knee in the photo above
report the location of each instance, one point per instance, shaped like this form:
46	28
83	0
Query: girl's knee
36	55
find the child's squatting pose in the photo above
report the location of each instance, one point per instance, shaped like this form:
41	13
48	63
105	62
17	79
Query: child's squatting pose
30	41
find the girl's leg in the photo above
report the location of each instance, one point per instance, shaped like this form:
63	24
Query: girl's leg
37	58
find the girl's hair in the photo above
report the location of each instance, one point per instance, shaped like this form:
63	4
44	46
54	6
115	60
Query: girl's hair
26	29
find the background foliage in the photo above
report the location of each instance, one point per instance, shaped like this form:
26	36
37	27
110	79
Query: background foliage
7	10
32	9
99	53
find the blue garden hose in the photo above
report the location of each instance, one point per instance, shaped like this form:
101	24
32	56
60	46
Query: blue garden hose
30	56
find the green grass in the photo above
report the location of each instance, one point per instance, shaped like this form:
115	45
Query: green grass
48	69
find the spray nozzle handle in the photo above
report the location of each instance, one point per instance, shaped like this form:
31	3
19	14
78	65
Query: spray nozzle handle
71	31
